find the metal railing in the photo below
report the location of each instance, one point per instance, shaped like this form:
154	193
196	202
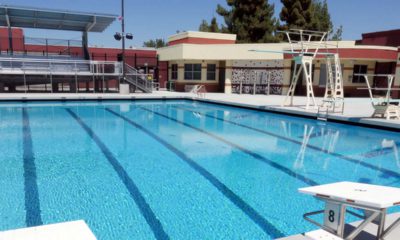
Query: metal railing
139	80
59	66
44	46
74	68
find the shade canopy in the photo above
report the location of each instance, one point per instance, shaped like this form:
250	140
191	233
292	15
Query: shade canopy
28	17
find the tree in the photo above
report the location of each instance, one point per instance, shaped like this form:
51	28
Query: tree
337	35
157	43
204	27
321	19
296	14
251	20
212	27
307	15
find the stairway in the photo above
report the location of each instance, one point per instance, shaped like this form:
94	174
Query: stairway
138	80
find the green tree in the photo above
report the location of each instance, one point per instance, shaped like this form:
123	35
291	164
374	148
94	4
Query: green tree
156	43
212	27
337	35
297	14
321	19
204	27
251	20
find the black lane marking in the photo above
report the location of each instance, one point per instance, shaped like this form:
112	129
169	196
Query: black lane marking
349	159
134	191
380	151
32	202
244	150
265	225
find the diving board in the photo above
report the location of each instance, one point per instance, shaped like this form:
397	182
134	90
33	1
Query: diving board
305	46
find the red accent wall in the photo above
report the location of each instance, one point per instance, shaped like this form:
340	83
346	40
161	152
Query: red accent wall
74	51
201	41
17	39
384	38
162	73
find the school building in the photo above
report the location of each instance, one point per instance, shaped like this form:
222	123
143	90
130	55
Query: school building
220	64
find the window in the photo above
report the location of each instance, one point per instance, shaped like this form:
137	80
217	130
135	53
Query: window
174	71
211	71
193	71
359	69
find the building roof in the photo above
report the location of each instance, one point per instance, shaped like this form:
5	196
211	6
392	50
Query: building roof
28	17
272	51
205	35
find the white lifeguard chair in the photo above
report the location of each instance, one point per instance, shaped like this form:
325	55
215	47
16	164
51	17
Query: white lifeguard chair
199	90
383	106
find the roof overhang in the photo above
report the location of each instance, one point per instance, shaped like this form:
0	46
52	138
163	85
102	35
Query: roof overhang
269	51
27	17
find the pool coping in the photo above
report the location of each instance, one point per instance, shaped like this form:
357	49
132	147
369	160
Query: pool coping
356	121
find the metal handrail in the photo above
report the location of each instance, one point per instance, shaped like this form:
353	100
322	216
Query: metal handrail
53	66
138	79
52	60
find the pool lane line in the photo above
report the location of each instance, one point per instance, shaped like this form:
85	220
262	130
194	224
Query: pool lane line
257	156
349	159
32	201
256	217
380	151
134	191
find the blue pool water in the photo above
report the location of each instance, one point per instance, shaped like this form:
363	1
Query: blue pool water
177	169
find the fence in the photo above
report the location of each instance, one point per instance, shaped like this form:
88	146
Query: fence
40	46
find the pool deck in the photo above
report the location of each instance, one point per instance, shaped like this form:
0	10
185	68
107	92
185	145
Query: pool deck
368	234
76	230
356	110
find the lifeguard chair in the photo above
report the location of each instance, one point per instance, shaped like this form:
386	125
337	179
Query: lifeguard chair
383	105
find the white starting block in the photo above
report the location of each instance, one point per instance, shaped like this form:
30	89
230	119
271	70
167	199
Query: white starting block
372	199
76	230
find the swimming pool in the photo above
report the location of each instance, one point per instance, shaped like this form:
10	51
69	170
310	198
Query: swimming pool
177	169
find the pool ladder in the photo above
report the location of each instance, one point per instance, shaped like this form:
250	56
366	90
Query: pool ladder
323	115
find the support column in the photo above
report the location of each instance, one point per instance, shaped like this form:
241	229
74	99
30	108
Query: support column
85	45
10	41
228	77
396	94
2	87
54	87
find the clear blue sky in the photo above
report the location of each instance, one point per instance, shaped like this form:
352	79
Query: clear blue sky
148	19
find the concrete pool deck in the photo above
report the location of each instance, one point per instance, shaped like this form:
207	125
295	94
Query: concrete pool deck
356	110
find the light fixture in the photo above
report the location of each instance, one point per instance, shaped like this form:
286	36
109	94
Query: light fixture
129	36
118	36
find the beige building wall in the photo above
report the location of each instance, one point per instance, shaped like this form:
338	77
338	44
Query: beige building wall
181	73
347	71
228	76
